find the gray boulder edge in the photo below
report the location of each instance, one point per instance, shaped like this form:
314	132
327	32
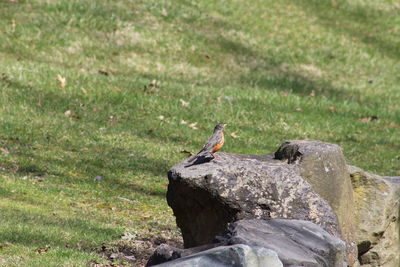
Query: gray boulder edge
223	256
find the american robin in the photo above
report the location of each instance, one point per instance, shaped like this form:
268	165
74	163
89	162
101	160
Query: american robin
214	143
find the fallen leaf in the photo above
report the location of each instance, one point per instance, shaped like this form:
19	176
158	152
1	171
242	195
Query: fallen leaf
62	80
13	24
152	87
219	99
42	250
103	72
129	236
299	109
113	256
193	125
187	152
394	125
312	94
374	118
331	108
5	78
184	103
164	12
5	150
368	119
183	122
234	135
285	94
130	258
128	200
112	119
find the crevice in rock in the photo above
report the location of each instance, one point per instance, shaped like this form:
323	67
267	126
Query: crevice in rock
363	247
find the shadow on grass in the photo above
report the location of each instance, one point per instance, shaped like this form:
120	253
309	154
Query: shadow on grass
42	230
273	76
363	23
281	80
88	166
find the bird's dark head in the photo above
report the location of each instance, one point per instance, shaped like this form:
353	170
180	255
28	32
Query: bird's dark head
219	127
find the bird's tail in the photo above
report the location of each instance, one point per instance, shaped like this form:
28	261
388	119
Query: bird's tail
199	158
191	158
202	153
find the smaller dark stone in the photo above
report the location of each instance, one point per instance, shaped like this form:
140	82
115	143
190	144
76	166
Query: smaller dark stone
164	253
297	242
288	151
223	256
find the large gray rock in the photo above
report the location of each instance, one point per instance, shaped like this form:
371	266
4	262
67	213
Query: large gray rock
297	243
377	201
224	256
208	196
323	165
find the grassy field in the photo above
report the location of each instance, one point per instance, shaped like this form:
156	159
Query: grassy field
98	98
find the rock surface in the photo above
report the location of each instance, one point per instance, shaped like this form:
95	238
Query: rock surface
377	217
223	256
231	187
297	243
323	165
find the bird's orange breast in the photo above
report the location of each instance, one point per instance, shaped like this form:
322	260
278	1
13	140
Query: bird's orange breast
220	144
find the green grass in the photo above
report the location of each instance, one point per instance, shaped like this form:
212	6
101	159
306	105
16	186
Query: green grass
272	70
